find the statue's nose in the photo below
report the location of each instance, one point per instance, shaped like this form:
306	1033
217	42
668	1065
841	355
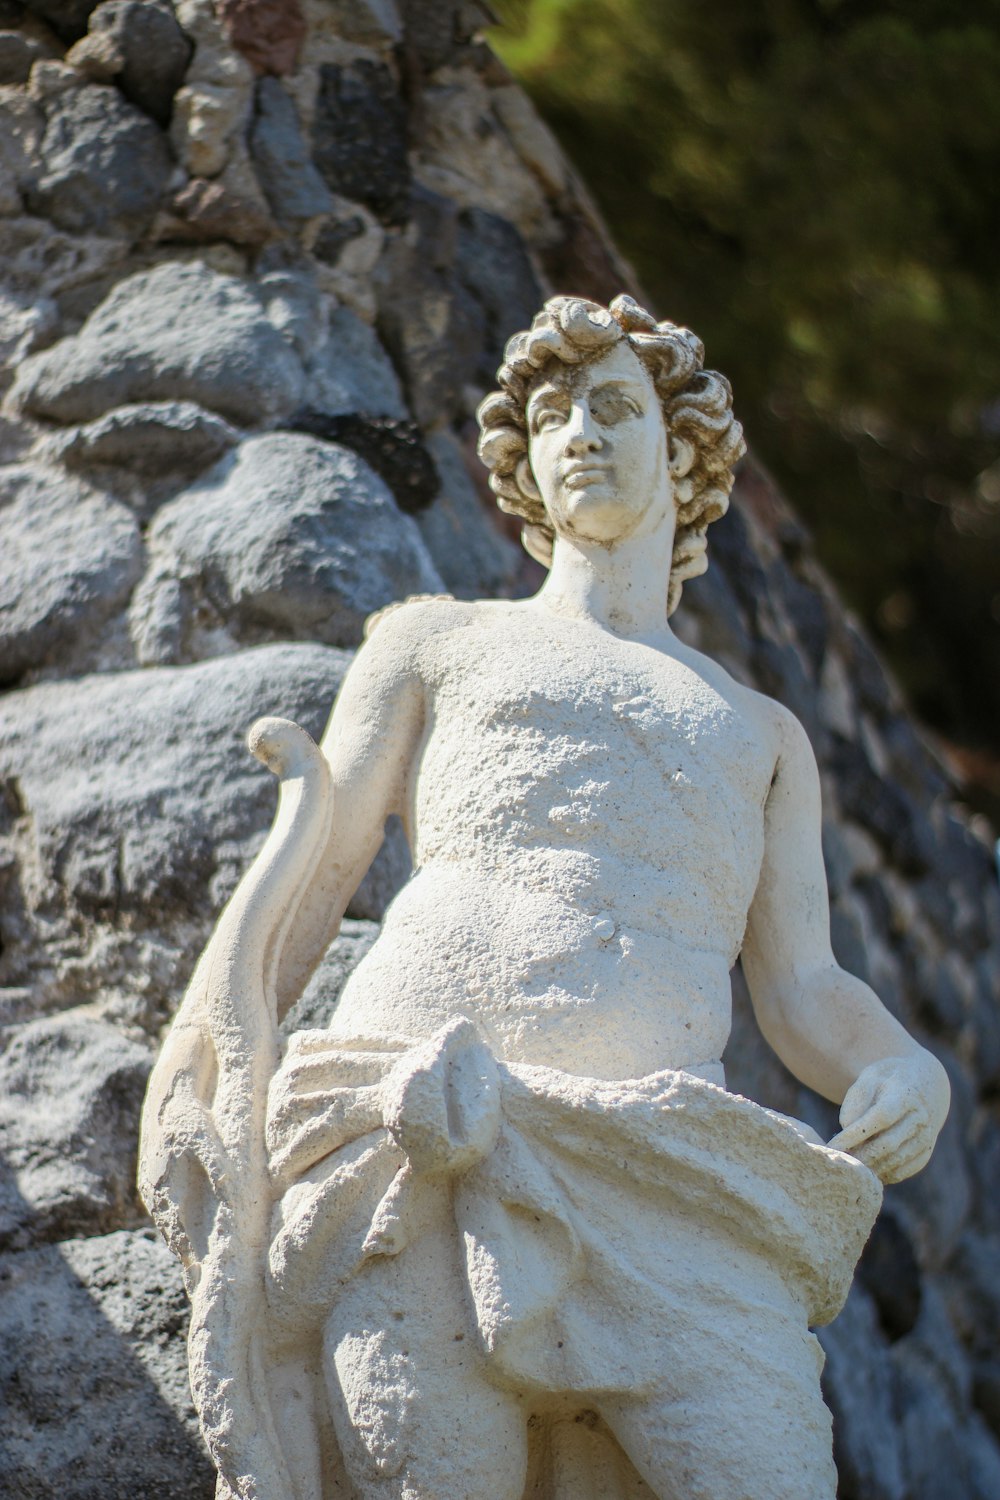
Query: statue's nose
582	434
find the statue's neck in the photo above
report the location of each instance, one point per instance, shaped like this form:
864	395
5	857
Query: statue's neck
621	588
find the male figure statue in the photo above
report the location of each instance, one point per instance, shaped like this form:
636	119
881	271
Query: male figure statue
500	1230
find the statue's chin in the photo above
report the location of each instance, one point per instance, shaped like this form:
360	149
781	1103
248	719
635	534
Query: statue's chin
597	514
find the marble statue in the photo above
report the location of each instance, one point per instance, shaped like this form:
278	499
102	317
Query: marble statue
500	1230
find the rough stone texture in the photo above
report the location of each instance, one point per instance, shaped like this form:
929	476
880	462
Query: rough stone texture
393	447
103	845
213	106
351	374
18	54
68	1156
144	365
290	181
320	996
139	44
269	33
359	137
470	553
69	556
104	164
93	1375
288	534
177	331
148	439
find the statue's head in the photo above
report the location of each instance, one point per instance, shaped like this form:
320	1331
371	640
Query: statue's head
646	395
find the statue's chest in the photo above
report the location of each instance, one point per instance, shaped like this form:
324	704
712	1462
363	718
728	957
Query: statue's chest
601	748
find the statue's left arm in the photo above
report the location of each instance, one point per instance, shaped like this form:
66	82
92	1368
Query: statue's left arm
827	1026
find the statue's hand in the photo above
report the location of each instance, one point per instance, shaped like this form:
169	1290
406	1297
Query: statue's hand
892	1113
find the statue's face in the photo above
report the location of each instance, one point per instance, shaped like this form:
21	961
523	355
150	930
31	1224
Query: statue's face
598	450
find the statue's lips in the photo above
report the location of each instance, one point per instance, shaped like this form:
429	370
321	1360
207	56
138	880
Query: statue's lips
581	475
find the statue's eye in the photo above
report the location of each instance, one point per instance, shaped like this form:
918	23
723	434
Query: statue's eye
545	418
611	406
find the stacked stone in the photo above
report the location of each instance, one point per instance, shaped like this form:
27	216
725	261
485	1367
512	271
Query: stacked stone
260	258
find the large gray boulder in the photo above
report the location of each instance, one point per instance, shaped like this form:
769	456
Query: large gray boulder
146	49
351	372
131	808
149	439
285	170
180	331
68	1154
93	1374
287	534
69	556
104	164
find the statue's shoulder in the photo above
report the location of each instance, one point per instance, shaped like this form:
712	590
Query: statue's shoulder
782	733
407	631
417	612
774	727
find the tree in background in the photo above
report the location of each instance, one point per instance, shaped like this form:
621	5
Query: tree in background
813	186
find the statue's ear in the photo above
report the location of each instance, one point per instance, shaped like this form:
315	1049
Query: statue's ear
680	456
526	480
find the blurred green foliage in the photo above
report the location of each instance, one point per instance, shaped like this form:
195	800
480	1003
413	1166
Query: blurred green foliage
814	187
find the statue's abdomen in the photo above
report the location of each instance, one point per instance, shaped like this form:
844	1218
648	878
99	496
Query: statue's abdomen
582	875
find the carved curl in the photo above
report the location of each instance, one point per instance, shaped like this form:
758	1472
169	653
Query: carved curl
696	405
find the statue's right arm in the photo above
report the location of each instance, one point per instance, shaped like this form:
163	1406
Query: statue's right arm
371	743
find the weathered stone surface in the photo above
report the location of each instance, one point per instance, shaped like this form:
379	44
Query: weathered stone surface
858	1383
151	51
69	556
21	127
430	324
452	290
346	248
212	106
25	324
389	872
104	164
42	262
150	439
462	536
359	137
129	806
290	181
933	1384
67	1155
93	1375
205	210
394	449
268	33
288	287
168	784
890	1273
288	534
436	29
99	909
375	23
177	332
493	266
351	372
465	154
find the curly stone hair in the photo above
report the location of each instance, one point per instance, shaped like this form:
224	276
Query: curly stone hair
696	405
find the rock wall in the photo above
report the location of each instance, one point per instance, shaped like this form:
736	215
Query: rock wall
260	258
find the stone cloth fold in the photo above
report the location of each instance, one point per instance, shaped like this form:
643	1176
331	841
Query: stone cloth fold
588	1212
